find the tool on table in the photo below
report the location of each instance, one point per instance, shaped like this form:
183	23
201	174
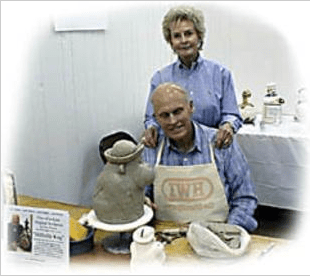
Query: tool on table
168	235
267	250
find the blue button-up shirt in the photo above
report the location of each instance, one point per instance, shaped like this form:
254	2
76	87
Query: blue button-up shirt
232	167
211	88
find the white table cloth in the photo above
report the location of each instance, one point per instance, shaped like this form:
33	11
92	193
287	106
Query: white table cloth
278	158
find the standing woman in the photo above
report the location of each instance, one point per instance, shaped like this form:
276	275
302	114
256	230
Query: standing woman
209	83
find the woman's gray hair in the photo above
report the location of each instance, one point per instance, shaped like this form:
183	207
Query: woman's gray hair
184	13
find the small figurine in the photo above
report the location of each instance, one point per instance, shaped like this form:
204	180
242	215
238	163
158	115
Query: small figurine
119	193
246	94
247	109
145	250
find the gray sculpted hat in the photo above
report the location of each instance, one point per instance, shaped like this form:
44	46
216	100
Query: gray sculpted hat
123	151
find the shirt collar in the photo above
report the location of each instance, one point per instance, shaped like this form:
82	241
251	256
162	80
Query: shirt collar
194	64
197	141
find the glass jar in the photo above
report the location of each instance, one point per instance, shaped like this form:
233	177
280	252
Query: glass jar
272	108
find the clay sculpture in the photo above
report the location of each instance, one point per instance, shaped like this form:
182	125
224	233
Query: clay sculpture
119	193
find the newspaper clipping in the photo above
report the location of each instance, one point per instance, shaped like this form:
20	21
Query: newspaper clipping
36	235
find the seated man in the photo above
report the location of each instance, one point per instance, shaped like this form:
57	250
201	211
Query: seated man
194	180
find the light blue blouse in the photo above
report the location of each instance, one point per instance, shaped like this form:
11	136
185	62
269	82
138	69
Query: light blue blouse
211	88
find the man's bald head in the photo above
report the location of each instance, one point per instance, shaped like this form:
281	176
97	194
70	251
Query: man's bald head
168	91
173	111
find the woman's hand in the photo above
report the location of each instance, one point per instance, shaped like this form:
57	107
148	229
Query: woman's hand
150	137
224	136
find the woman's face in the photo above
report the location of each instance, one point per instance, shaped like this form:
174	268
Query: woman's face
184	39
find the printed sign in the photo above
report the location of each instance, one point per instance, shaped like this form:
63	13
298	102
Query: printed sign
36	235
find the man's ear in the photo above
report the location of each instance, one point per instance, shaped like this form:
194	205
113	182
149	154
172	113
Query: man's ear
191	106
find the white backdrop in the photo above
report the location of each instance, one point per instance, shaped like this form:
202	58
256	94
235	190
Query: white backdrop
61	92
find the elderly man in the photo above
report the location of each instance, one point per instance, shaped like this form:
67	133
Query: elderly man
194	180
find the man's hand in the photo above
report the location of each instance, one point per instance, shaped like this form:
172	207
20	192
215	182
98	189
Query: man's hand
224	136
150	137
149	202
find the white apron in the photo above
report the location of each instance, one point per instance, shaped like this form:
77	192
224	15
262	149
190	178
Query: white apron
189	193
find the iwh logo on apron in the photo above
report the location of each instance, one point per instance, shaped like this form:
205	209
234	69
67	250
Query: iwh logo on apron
188	193
193	189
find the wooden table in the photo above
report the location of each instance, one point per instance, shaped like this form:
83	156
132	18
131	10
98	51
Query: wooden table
179	253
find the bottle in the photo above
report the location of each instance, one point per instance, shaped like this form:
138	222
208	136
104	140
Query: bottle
145	251
272	108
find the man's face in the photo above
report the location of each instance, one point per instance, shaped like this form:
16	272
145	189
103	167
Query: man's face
173	113
15	219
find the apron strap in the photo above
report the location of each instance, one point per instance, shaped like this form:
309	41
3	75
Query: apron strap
212	156
160	151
